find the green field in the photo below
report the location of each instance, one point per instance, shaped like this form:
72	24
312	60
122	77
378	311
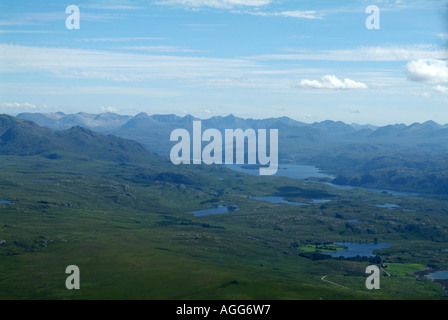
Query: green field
127	227
403	269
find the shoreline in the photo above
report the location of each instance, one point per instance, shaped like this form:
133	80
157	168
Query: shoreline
421	275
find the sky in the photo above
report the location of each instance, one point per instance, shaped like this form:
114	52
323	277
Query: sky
310	60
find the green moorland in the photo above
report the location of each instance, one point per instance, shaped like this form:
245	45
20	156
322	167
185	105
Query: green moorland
127	227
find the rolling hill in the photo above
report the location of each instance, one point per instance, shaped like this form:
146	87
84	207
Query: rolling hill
23	137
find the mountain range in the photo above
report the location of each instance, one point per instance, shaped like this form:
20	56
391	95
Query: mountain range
295	138
397	157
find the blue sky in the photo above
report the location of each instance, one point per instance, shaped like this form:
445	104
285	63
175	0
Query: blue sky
308	60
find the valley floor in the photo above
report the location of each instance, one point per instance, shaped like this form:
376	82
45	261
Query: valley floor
128	228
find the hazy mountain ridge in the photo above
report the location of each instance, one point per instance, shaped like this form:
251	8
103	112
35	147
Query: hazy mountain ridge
151	129
398	157
60	121
112	121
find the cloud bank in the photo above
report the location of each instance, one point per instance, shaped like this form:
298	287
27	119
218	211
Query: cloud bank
441	89
18	105
220	4
332	82
289	14
428	70
373	53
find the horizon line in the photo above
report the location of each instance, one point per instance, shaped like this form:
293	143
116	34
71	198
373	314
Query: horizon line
228	115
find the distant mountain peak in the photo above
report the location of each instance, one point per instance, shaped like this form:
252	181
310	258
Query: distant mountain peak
165	117
141	115
189	117
431	123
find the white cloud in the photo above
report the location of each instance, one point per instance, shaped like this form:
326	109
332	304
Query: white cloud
47	18
119	39
220	4
109	109
118	66
421	94
18	105
126	67
289	14
443	36
111	6
58	89
428	70
27	31
374	53
441	89
332	82
160	49
11	23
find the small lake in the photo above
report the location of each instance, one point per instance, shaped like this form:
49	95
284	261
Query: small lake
274	199
303	172
354	249
385	191
5	201
353	220
220	209
438	275
386	206
277	199
319	201
294	171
